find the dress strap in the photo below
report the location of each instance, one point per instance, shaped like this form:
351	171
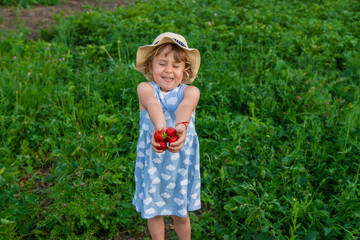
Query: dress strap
169	100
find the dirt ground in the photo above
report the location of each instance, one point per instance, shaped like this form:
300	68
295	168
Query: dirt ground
42	16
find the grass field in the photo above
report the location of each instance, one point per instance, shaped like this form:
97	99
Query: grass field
278	120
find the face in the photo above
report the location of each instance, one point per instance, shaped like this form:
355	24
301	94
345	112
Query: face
166	71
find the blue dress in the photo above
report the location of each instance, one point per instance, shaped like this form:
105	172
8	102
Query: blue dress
167	183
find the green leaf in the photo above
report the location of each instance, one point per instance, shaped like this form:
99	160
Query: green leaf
37	231
323	214
312	235
231	206
5	221
240	199
327	231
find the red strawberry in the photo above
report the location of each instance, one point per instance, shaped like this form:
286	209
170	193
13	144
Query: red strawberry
173	139
171	132
158	135
162	145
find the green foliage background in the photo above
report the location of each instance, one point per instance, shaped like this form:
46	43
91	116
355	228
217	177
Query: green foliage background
278	120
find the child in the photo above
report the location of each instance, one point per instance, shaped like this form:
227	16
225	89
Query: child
167	181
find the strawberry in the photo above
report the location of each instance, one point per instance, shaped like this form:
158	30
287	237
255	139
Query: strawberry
162	145
159	135
162	137
166	137
173	139
171	132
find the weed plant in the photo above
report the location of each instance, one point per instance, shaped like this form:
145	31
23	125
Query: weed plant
278	120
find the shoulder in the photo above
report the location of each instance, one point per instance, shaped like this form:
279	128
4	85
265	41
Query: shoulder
191	91
145	91
144	87
191	96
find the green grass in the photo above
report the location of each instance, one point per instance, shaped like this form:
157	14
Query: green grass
278	120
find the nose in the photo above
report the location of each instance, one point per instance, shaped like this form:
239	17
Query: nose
168	69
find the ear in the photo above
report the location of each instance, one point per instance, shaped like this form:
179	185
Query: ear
150	69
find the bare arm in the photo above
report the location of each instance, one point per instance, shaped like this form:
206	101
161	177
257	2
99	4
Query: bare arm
148	101
183	114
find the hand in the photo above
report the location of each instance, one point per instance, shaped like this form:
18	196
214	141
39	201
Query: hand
154	144
177	146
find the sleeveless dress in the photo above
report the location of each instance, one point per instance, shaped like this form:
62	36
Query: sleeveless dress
167	183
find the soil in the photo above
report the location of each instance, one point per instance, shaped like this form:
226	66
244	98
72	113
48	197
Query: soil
42	16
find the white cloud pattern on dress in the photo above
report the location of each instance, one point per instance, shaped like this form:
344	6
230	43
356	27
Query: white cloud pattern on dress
150	211
160	203
171	186
184	182
165	176
156	181
187	161
182	211
175	156
142	144
145	127
165	195
178	201
170	167
156	160
172	100
139	165
182	171
165	212
147	201
167	115
194	196
152	170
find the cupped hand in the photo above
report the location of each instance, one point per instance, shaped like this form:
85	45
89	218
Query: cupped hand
154	144
177	146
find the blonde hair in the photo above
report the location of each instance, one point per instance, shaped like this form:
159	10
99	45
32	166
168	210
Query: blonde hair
179	55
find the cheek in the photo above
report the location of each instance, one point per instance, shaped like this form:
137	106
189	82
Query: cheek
180	72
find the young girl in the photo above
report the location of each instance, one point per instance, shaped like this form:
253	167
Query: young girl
167	181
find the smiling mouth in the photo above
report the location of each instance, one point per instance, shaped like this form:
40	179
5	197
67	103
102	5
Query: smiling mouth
167	79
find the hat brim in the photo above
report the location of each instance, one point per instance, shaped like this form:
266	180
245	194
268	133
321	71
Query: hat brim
192	53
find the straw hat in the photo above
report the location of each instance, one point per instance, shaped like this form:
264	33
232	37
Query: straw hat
193	54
